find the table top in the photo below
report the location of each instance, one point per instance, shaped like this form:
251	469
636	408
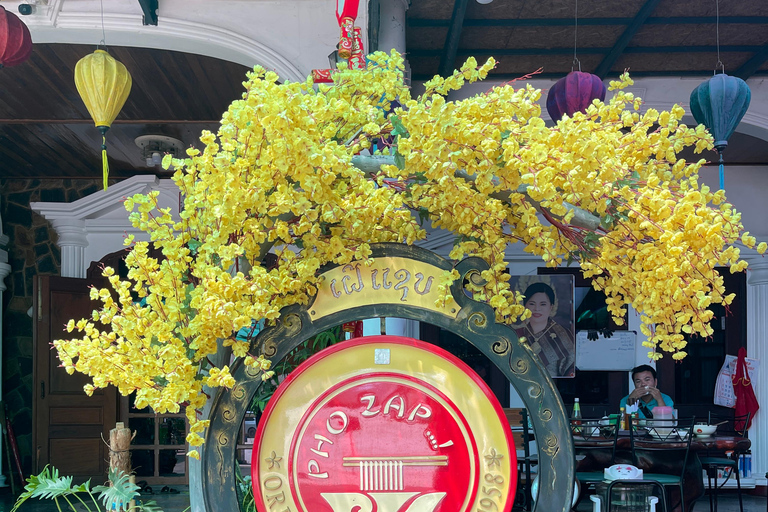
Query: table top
698	443
724	443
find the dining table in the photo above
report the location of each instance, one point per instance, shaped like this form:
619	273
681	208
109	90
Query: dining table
662	462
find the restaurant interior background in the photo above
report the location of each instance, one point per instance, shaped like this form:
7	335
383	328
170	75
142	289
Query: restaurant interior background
188	66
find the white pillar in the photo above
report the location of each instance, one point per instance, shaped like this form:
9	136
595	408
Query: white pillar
5	269
392	29
403	327
73	240
757	348
392	25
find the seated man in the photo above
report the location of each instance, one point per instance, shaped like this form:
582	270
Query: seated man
645	394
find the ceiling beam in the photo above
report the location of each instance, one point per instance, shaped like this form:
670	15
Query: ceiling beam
560	22
621	43
753	64
149	7
453	37
702	73
588	51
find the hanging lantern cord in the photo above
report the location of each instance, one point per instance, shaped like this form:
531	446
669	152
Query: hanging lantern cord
103	32
576	62
105	162
717	35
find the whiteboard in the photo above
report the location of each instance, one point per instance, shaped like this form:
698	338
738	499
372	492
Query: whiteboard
614	353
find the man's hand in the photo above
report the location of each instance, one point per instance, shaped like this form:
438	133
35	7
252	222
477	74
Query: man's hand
642	391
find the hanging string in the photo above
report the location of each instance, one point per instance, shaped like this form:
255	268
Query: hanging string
717	32
575	36
103	32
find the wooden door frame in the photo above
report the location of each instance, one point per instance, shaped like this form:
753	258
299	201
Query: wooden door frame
40	358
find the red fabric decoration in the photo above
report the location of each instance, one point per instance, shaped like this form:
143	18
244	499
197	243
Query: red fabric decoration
346	9
346	38
354	328
15	40
322	76
746	402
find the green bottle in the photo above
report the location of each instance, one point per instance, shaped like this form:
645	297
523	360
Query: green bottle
576	417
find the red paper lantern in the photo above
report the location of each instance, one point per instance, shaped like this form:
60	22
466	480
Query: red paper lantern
15	40
574	93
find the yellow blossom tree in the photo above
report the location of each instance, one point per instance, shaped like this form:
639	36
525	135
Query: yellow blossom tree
285	173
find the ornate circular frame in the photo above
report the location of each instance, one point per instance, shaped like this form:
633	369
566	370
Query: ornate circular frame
475	323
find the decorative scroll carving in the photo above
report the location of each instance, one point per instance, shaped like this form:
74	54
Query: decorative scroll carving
519	367
477	320
269	348
238	393
501	346
229	415
549	444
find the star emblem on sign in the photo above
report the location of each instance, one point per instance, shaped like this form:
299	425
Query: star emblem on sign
273	460
494	459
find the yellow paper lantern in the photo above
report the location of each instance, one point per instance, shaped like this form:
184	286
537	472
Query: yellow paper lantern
104	84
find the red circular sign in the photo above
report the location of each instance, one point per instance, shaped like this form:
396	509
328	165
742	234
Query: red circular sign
383	424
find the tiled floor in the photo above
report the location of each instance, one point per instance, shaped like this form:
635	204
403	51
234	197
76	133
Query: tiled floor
180	503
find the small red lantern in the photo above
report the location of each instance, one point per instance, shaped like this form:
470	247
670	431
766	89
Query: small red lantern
574	93
15	40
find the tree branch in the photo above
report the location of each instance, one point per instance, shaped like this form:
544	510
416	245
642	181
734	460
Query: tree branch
581	218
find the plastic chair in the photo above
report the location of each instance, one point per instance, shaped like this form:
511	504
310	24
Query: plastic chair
598	503
590	437
711	462
649	503
667	436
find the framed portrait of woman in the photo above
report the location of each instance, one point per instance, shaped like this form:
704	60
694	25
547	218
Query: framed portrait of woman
550	330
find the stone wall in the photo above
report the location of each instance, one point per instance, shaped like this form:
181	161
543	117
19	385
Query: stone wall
32	251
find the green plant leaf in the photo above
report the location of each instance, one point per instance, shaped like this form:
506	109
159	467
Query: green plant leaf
149	506
49	485
606	222
121	491
194	245
398	129
399	161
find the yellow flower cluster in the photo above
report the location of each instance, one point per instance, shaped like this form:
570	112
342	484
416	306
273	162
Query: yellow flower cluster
660	234
279	176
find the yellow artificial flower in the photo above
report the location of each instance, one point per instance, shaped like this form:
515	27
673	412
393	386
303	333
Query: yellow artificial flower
603	188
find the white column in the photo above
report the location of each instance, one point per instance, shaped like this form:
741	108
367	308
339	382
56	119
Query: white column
73	241
403	327
5	269
392	24
757	348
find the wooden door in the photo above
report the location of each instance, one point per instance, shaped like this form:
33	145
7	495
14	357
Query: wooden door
69	425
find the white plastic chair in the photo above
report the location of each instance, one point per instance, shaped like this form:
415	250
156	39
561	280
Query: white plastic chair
598	503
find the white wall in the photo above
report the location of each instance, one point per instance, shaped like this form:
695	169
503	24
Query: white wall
291	37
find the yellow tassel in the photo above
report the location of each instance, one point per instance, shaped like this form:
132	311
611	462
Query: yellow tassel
104	161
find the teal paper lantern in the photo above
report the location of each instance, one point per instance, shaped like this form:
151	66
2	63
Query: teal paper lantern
719	104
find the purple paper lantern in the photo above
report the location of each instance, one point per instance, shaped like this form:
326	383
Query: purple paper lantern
574	93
